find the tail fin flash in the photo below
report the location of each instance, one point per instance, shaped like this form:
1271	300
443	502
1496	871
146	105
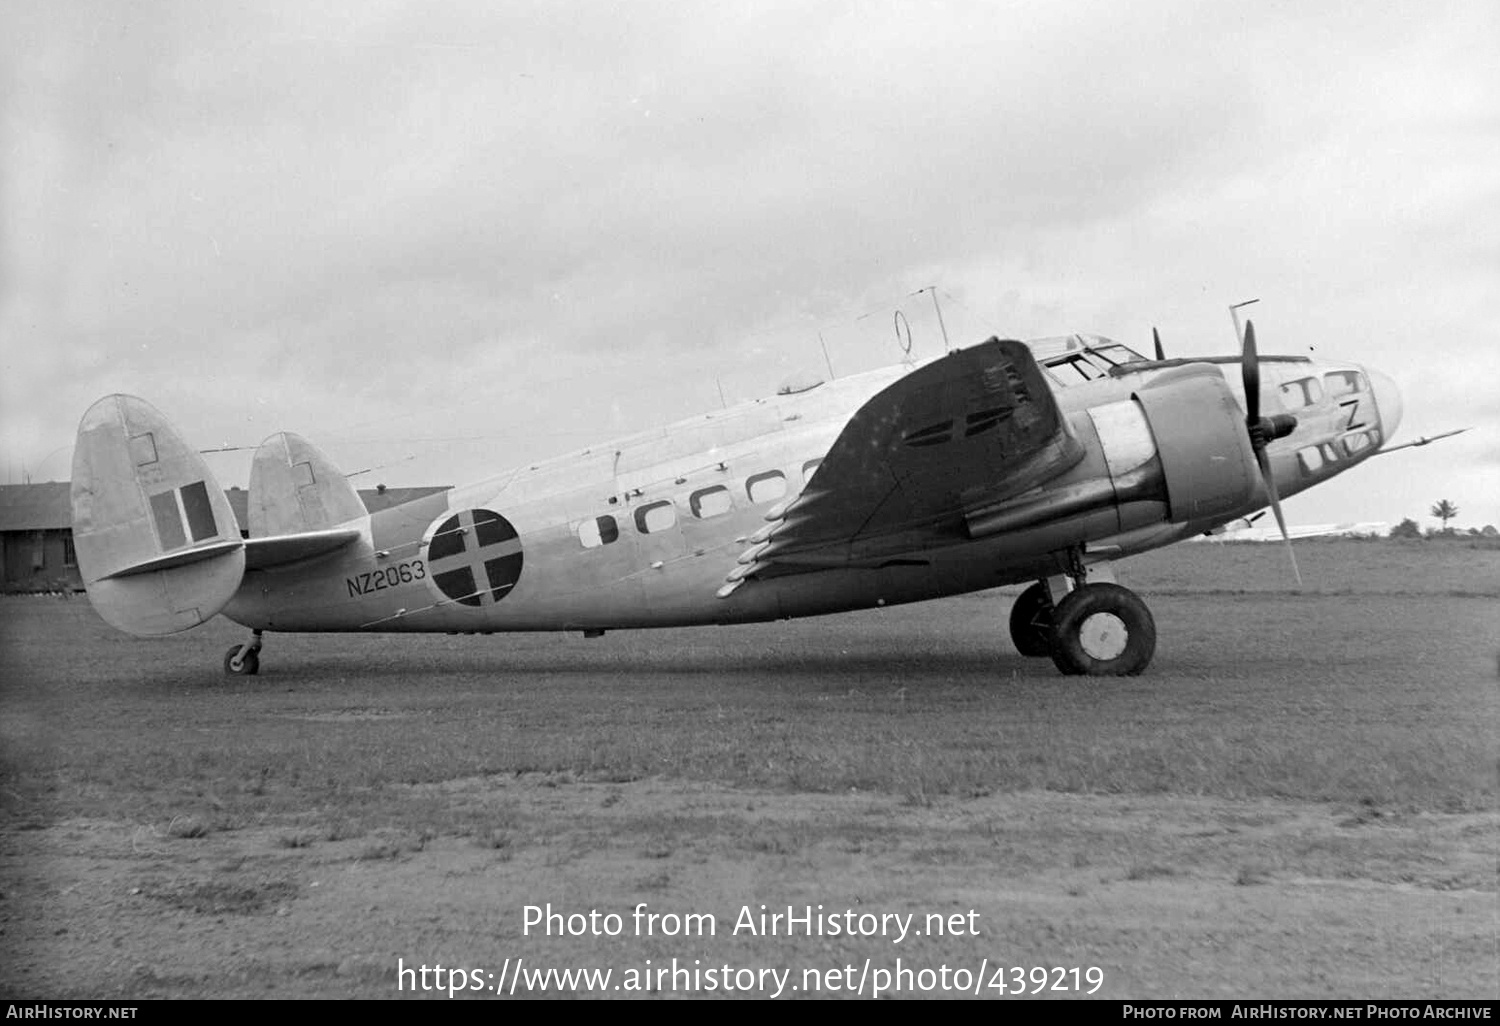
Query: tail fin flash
158	547
295	489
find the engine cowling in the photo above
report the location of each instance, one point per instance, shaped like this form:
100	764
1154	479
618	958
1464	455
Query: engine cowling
1206	460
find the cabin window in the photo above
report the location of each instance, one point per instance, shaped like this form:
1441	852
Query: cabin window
1344	382
710	502
598	531
808	468
1302	392
655	516
767	487
1358	443
1310	459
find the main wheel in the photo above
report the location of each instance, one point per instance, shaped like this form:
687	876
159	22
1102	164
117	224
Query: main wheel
1031	621
241	661
1102	630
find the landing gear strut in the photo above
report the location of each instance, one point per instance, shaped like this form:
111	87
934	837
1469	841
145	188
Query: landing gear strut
243	660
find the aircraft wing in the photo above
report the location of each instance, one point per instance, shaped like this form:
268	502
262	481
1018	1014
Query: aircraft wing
972	428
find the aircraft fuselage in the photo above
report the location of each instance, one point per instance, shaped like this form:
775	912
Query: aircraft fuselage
642	531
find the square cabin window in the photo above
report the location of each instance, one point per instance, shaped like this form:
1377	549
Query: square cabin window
1358	443
1310	459
710	502
1344	382
655	516
598	531
767	487
1302	392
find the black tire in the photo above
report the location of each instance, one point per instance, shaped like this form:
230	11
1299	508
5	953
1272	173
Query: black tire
237	665
1031	622
1102	630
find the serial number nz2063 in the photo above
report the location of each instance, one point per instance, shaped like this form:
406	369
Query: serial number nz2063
385	577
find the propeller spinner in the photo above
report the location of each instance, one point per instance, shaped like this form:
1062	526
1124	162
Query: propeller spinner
1263	431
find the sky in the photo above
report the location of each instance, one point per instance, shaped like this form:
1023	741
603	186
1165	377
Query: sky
442	240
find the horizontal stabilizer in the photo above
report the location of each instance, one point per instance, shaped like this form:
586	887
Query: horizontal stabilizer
158	546
264	553
172	560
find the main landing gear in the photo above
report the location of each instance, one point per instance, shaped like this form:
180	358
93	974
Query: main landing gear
243	660
1098	628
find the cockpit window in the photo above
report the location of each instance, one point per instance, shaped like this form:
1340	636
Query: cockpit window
1083	358
1302	392
1073	368
1116	354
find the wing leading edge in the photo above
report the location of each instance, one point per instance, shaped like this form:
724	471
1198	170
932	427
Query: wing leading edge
970	429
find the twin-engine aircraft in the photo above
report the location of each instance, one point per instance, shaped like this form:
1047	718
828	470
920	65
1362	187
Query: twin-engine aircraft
996	464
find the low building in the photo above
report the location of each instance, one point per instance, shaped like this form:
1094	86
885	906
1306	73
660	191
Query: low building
36	530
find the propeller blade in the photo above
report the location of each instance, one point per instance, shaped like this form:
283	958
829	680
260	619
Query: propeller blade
1265	473
1250	369
1156	337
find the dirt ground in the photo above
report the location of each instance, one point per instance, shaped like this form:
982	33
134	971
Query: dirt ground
1167	897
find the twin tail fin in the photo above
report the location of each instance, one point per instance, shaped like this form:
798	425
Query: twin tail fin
159	547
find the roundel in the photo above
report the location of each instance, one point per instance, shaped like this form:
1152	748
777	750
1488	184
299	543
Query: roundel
474	557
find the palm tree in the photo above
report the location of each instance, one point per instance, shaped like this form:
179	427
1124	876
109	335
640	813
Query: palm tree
1444	511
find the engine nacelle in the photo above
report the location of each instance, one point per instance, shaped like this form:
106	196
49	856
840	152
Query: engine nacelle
1206	459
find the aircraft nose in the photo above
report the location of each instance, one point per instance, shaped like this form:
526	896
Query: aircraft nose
1387	402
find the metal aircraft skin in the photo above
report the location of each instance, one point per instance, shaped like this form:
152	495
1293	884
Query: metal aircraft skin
1000	463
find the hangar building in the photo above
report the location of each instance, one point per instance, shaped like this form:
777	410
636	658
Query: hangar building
36	531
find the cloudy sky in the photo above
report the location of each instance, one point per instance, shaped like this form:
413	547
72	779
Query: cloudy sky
443	239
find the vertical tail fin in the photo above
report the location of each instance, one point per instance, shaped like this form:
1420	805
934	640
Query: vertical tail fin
158	547
294	488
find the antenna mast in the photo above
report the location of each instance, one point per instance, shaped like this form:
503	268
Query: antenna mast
1234	313
943	327
831	375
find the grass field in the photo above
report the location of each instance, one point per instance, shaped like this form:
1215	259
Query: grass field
728	764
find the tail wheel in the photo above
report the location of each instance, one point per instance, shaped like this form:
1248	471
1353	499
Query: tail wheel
1031	621
1102	630
241	661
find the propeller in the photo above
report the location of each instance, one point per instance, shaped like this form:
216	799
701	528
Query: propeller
1263	431
1161	354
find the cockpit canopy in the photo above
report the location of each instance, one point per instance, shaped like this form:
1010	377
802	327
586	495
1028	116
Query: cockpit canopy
1073	359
